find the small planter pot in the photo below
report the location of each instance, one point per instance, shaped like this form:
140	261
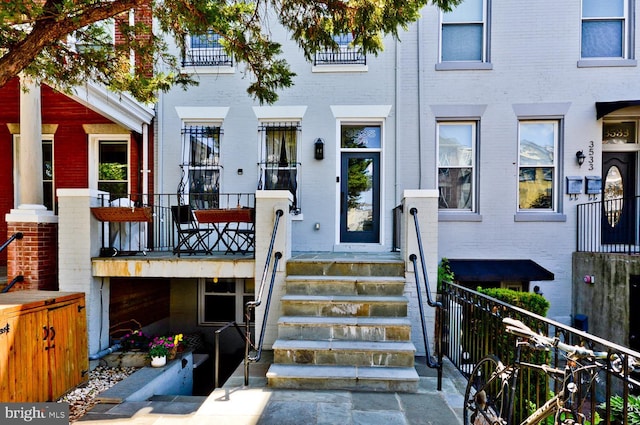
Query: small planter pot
158	361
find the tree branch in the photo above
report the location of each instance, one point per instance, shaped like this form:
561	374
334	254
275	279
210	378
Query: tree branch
56	25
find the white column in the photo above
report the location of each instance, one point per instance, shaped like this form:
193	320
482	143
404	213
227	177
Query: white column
30	151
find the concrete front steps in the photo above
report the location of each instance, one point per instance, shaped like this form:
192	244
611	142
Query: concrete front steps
345	326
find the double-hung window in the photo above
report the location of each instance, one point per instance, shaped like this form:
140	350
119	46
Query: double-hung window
201	164
457	165
48	190
222	300
538	188
606	29
205	50
279	164
113	166
47	174
465	35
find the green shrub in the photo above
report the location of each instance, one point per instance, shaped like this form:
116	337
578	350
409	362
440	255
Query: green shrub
444	273
617	409
527	300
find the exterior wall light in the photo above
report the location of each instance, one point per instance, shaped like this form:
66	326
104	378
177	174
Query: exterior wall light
318	152
580	158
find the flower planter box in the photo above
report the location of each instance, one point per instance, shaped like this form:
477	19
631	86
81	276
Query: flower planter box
126	359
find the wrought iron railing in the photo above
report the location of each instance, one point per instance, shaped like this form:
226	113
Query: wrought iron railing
206	56
434	363
252	305
16	279
340	57
155	228
472	328
609	226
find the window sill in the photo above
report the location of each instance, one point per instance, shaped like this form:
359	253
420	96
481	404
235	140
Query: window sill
540	216
209	70
464	66
458	216
596	63
338	68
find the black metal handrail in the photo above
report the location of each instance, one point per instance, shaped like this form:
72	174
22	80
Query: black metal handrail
19	278
431	362
472	328
258	301
18	235
15	280
216	359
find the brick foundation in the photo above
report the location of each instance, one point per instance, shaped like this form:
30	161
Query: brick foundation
34	256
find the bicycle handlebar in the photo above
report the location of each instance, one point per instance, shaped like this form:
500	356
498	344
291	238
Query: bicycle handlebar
518	328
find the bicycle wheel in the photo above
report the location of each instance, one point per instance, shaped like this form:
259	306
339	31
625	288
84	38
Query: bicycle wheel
485	399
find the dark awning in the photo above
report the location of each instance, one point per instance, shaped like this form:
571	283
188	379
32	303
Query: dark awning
604	108
498	271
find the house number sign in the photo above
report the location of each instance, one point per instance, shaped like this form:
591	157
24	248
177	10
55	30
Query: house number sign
4	330
590	155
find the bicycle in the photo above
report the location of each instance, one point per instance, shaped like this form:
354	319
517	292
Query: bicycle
491	390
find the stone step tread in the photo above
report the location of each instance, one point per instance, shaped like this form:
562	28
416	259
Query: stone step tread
341	372
345	298
344	345
394	279
343	321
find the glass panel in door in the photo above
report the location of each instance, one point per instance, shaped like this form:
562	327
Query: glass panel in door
360	197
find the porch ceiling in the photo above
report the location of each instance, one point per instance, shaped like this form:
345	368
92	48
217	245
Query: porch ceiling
498	271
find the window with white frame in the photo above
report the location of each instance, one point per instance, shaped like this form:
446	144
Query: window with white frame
113	166
205	50
201	164
464	33
279	164
222	300
48	190
457	165
606	32
538	165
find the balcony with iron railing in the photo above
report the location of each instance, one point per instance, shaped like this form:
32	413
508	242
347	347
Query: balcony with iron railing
609	226
176	224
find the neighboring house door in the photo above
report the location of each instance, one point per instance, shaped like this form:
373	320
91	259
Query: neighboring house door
619	220
360	197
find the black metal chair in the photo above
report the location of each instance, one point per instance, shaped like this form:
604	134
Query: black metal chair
192	239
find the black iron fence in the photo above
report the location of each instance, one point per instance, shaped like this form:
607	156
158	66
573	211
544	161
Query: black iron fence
472	328
609	226
138	223
341	57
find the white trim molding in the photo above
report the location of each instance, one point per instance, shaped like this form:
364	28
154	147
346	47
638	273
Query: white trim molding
361	111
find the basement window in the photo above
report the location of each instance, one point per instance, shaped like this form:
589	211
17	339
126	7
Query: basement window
222	300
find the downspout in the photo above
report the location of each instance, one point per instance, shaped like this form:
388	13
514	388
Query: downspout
100	354
396	183
420	91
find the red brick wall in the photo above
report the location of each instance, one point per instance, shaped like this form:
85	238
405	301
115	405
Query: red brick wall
34	256
71	150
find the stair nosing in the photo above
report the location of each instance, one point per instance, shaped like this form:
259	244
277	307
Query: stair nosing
348	321
344	298
390	373
343	345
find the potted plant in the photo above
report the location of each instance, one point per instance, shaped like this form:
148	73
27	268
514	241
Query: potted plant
159	350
